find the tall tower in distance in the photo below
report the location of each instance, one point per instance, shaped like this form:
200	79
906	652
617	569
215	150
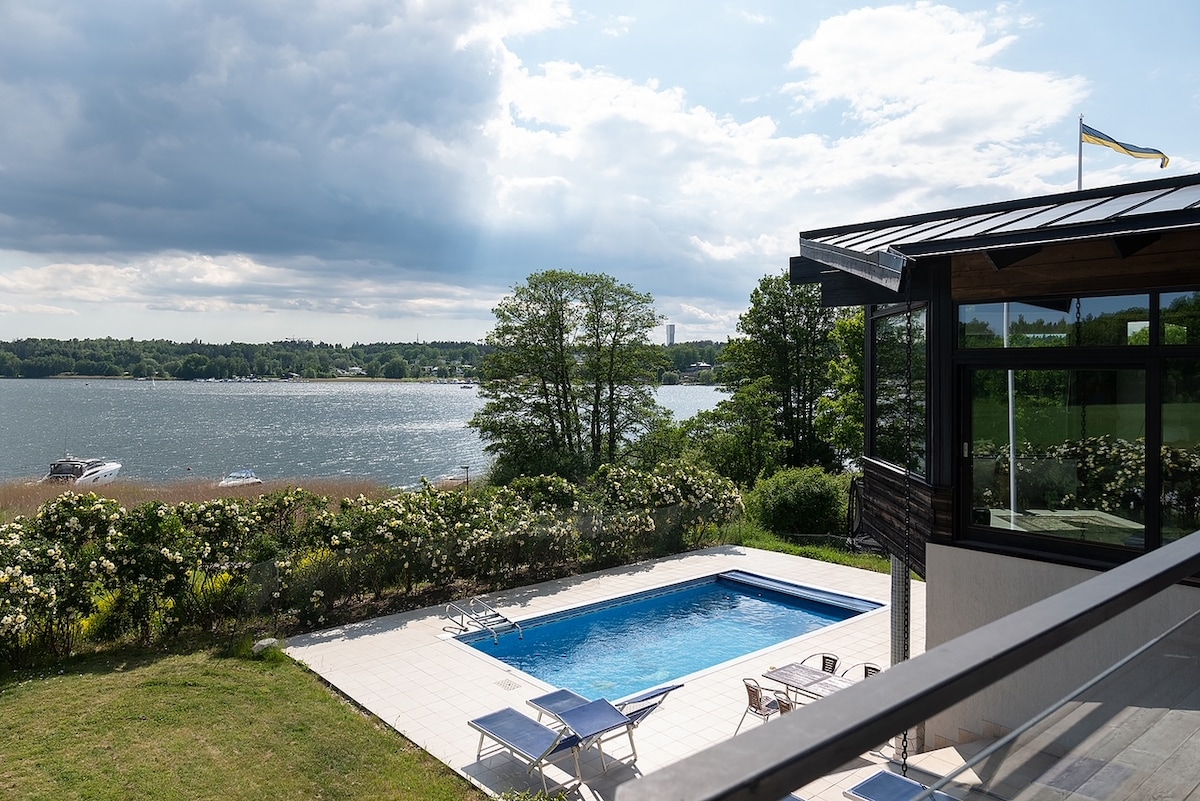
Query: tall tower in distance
670	333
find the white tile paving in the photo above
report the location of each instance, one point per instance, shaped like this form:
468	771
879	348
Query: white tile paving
415	677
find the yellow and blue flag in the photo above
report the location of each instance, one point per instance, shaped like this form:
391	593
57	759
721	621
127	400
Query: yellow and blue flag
1094	137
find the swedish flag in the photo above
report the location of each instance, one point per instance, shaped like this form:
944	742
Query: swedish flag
1094	137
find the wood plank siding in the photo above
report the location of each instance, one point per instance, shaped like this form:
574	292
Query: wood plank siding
883	512
1168	261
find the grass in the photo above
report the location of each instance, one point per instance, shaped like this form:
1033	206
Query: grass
751	535
141	725
202	722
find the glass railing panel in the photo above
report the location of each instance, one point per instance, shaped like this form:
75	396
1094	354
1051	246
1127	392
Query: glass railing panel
1130	733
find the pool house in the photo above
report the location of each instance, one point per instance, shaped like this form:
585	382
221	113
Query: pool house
1033	454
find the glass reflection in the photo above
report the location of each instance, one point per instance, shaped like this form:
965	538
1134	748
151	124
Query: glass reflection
1180	318
892	412
1056	322
1075	468
1181	448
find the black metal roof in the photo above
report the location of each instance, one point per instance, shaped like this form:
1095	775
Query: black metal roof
1137	208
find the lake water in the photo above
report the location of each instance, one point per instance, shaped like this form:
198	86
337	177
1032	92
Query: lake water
391	432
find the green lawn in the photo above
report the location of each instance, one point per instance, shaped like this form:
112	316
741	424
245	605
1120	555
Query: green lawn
140	725
128	724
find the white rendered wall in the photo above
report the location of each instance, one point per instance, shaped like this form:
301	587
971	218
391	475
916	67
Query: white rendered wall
966	589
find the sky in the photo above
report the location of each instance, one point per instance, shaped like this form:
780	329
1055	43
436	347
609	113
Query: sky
356	171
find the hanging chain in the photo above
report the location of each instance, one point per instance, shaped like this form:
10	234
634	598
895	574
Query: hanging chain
1082	404
906	612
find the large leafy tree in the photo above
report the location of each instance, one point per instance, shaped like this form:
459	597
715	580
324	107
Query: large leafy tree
785	336
738	438
570	380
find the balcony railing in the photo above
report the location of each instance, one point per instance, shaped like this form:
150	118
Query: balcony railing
769	762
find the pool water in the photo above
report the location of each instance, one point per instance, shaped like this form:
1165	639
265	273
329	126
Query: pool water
614	649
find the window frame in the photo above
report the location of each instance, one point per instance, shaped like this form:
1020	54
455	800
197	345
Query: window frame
1147	358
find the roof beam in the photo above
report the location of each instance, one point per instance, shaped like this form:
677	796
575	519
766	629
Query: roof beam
1131	244
1007	257
883	267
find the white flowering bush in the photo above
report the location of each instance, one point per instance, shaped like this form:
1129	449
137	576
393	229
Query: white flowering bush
156	569
62	562
154	560
632	514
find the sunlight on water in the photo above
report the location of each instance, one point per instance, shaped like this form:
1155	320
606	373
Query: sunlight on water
391	432
614	650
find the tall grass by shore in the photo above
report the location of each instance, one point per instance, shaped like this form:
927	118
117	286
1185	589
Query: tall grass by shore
25	498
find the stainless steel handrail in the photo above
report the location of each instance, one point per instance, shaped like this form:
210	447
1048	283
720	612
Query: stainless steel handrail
769	762
489	619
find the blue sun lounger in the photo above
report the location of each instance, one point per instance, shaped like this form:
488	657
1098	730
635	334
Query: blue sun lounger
635	708
533	743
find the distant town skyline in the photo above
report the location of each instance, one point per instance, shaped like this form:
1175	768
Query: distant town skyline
388	172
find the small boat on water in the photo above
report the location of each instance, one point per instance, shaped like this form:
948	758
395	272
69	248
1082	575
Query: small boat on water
240	478
82	472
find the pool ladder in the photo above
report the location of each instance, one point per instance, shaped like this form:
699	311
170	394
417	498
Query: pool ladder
479	612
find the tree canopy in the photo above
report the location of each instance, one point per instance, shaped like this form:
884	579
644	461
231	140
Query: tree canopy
569	381
786	336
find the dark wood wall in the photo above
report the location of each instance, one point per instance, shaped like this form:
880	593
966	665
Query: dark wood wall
1101	265
883	512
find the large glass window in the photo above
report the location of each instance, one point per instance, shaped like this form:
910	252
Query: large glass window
1056	322
899	366
1059	453
1181	447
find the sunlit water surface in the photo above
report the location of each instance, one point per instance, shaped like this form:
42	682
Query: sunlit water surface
394	433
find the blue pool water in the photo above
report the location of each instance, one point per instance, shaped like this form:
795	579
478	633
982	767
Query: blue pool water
614	649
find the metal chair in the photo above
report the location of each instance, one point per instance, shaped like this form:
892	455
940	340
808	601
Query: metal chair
829	662
757	703
869	669
784	702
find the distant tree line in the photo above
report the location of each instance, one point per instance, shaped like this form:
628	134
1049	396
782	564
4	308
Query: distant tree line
160	358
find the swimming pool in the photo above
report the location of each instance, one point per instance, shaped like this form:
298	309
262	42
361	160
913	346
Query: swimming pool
617	648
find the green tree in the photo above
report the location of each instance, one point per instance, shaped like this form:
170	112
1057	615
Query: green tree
395	368
738	438
617	364
786	336
568	383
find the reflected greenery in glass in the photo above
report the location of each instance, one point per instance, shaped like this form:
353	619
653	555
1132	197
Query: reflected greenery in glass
1056	322
1180	318
1181	448
892	413
1078	454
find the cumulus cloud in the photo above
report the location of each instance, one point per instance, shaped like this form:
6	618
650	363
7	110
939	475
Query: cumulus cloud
374	161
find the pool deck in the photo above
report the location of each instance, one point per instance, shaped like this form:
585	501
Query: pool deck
412	675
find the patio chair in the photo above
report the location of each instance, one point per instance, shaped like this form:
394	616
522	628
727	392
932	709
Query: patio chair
868	669
527	740
636	708
757	703
784	701
829	662
639	707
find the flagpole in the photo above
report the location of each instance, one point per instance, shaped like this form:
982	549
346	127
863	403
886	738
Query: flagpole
1079	181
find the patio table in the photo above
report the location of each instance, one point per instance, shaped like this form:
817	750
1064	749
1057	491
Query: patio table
805	680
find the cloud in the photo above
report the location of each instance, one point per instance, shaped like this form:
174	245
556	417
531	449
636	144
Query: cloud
370	162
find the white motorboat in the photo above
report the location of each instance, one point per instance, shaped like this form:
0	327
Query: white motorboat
239	478
82	472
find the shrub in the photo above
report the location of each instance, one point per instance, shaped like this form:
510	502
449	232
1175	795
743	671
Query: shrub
805	502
